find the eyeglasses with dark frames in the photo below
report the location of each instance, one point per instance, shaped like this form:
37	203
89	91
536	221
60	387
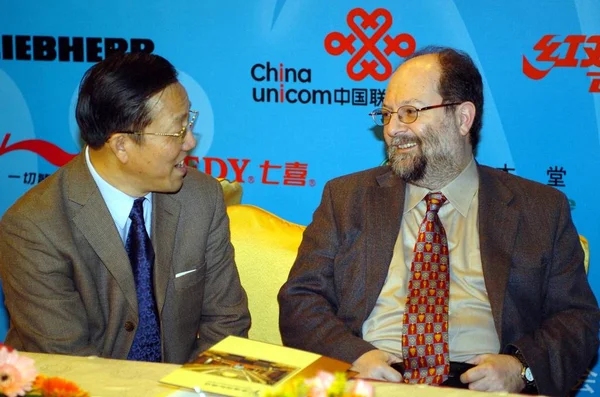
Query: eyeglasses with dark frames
181	134
406	114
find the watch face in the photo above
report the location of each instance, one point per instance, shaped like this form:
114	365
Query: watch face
528	375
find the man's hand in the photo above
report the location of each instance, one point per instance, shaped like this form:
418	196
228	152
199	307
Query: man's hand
375	364
494	372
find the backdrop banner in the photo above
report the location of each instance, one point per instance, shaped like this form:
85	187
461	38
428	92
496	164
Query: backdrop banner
284	87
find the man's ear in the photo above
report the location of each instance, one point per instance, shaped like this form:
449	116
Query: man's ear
465	114
119	145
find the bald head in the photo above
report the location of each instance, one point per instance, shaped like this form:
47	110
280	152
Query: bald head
458	80
428	134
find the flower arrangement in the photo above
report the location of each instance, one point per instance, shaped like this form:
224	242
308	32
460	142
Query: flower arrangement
18	377
324	384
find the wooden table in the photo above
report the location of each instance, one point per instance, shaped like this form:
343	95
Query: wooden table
120	378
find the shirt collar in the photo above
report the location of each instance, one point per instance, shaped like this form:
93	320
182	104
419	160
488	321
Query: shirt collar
119	204
459	192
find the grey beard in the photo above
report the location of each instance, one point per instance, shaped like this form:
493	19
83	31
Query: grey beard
411	173
432	171
441	170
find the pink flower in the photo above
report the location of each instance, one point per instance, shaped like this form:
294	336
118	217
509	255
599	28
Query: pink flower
362	388
7	347
17	373
320	384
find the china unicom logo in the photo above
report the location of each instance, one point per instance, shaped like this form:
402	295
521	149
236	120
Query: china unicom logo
369	32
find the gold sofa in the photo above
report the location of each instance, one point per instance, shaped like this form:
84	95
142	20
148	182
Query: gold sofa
265	249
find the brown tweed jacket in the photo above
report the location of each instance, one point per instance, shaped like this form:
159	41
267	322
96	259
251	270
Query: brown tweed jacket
532	262
68	282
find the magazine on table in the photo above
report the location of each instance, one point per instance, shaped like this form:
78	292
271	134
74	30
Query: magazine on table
241	367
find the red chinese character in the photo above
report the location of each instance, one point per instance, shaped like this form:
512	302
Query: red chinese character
595	85
547	50
593	54
266	166
295	174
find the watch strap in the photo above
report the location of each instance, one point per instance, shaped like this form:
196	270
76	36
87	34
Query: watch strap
530	386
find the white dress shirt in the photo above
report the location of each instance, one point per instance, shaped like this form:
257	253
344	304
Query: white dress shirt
118	203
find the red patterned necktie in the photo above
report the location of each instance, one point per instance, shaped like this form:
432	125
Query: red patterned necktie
425	322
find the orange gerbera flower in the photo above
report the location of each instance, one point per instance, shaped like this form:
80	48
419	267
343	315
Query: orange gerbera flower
57	387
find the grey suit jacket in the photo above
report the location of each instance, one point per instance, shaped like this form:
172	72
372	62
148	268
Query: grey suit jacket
68	282
532	261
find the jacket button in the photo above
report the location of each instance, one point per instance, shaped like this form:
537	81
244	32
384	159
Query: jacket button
129	326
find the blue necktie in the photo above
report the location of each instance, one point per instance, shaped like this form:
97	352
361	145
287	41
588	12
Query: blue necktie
146	344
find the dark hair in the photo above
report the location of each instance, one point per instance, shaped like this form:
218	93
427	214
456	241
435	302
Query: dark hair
460	81
113	94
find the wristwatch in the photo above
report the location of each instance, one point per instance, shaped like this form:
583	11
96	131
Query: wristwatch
526	373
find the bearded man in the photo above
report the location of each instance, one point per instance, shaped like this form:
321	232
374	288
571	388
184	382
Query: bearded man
436	269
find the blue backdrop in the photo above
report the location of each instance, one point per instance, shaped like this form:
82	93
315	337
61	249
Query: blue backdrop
284	87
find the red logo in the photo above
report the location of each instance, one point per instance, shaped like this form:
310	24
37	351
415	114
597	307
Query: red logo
549	53
380	22
294	173
49	151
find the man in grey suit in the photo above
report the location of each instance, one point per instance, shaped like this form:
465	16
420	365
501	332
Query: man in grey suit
521	313
69	283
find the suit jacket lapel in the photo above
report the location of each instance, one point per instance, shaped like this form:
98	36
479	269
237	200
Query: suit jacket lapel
164	225
96	224
383	212
498	224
